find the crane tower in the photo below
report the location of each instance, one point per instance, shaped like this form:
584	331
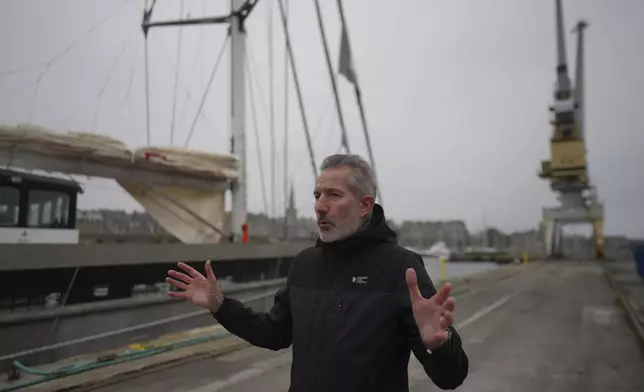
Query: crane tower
567	169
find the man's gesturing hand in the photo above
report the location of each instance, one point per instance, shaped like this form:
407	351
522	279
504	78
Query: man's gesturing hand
198	289
432	315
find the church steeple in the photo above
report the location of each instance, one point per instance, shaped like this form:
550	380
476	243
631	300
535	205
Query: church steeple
291	199
291	216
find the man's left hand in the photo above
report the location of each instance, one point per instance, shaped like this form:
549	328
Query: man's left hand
432	315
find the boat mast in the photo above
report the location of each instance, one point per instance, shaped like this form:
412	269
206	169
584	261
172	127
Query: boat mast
238	116
240	9
286	114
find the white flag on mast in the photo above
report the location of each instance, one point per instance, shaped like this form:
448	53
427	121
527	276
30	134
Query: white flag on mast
346	59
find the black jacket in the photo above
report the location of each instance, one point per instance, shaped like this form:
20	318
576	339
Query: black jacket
346	311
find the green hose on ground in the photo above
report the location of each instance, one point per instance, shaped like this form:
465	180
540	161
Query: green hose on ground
98	363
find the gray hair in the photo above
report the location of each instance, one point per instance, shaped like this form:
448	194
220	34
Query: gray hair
362	179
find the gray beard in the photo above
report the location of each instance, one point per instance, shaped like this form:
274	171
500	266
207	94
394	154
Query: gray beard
343	230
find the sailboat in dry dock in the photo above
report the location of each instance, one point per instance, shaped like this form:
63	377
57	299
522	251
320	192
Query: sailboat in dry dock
183	189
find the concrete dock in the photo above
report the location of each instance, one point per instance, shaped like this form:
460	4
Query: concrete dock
629	290
552	326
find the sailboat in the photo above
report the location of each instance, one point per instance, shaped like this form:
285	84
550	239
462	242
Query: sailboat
183	189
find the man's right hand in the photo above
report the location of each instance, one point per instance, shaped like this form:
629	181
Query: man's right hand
198	289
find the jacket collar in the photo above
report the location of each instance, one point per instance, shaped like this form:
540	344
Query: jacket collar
375	229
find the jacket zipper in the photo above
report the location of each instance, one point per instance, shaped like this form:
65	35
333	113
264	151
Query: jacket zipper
321	349
313	345
332	278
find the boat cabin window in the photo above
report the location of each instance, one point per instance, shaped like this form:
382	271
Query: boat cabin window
48	209
32	201
9	206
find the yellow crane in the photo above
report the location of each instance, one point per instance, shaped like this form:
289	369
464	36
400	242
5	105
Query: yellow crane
567	169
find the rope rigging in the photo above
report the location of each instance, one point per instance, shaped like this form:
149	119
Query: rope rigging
87	102
109	77
176	77
146	24
317	132
182	85
126	97
195	62
345	139
68	48
250	58
254	80
289	66
257	143
205	93
47	64
147	14
296	80
357	90
22	69
147	90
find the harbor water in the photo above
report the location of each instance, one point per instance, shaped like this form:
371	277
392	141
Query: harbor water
455	270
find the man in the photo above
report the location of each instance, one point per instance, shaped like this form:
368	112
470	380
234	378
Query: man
355	304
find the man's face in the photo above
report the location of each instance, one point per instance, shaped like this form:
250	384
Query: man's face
339	211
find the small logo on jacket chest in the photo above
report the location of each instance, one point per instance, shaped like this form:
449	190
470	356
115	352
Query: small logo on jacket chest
359	279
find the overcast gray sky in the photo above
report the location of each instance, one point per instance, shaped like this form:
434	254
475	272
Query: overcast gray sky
456	95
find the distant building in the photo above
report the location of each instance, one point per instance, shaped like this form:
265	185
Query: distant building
120	226
424	234
292	227
530	241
